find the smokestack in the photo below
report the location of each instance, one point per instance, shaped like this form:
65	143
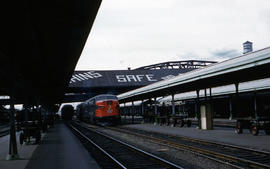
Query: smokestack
247	47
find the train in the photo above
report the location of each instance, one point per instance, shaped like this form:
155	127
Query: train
67	112
101	109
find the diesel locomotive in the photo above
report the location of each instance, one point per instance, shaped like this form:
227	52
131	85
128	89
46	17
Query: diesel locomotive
101	109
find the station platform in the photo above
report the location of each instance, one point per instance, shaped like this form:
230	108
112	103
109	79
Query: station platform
218	122
224	135
59	148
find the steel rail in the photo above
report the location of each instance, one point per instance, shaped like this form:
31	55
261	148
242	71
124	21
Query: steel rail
98	147
205	152
4	130
168	163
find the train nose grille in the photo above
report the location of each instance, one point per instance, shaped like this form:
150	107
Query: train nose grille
100	107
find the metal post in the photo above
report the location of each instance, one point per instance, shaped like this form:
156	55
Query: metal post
142	109
13	151
196	104
173	105
155	99
142	112
125	111
236	88
255	106
236	92
230	104
197	108
132	112
212	108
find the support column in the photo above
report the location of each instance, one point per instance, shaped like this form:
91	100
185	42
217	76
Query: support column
125	111
13	151
132	112
155	106
236	88
206	113
230	108
236	96
206	116
142	109
142	112
212	108
197	110
255	106
173	105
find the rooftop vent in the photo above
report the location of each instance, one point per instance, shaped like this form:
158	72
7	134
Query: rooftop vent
247	47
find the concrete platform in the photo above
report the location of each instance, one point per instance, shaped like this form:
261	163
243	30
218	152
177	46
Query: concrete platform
59	148
219	134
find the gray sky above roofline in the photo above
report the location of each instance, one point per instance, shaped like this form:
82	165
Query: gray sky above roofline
142	32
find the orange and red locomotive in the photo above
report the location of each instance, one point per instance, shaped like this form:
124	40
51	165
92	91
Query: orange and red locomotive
101	109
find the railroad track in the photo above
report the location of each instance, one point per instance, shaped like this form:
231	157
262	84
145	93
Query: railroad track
4	130
118	154
235	156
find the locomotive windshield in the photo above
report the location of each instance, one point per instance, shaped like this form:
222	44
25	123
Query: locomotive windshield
106	97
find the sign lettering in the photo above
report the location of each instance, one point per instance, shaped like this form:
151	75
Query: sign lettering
135	78
84	76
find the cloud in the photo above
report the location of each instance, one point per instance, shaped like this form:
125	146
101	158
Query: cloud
188	56
138	33
225	53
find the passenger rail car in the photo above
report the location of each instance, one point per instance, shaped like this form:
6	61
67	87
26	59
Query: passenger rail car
67	112
101	109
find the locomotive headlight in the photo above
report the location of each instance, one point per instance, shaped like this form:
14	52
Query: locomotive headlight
110	110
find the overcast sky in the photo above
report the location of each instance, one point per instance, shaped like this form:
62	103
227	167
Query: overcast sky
134	33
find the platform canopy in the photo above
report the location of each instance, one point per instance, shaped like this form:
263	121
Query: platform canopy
86	84
40	44
250	66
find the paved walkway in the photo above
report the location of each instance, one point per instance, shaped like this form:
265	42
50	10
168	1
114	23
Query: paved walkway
220	134
59	149
25	153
